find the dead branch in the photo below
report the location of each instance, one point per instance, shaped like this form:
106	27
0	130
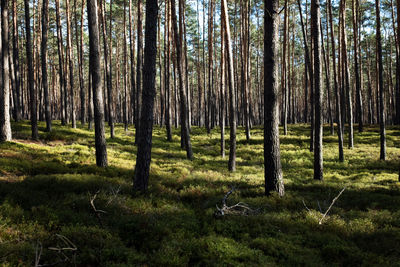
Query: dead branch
237	209
96	211
333	202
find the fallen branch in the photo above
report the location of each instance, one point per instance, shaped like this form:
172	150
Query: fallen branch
237	209
333	202
96	211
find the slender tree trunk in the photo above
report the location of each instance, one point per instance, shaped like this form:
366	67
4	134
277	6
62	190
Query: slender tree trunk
125	73
346	73
45	17
272	157
143	160
222	92
32	92
184	112
71	64
335	85
132	55
17	72
167	68
5	125
284	80
63	100
356	66
95	72
139	69
318	93
381	88
231	83
79	46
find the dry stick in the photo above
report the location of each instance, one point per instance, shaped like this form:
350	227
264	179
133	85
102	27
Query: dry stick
96	211
244	209
333	202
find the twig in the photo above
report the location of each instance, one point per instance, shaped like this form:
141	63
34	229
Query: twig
305	206
38	253
333	202
96	211
237	209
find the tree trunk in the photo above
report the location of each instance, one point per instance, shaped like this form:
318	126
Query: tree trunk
32	92
125	73
184	109
139	69
95	72
149	91
45	17
335	85
359	112
231	84
132	55
398	65
381	88
222	92
70	56
17	72
318	93
5	125
63	100
272	157
167	69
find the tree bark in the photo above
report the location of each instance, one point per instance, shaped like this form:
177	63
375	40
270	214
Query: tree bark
381	88
70	56
17	72
139	69
63	100
45	16
31	84
335	85
272	157
184	109
143	160
5	125
94	64
318	93
231	84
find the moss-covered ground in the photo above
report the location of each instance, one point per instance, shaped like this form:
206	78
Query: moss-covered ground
46	187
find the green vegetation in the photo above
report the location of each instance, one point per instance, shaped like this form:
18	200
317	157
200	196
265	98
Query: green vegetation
46	187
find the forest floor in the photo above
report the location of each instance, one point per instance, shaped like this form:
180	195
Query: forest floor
46	215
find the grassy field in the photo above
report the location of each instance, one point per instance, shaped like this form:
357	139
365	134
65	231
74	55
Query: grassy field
46	215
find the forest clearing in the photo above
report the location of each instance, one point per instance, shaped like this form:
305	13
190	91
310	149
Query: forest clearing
46	189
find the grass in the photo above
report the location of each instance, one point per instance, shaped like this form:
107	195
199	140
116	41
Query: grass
46	186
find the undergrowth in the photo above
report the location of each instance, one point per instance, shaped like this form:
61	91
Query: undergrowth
46	187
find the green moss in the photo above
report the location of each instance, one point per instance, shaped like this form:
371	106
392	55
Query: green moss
46	187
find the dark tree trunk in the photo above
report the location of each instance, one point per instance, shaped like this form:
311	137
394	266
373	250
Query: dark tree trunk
360	113
17	73
94	64
70	56
132	55
335	85
63	101
125	74
318	93
108	63
167	68
31	81
139	70
381	88
79	46
184	109
5	126
231	83
143	160
272	157
45	16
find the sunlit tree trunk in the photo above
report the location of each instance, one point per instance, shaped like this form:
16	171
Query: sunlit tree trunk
272	157
95	72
